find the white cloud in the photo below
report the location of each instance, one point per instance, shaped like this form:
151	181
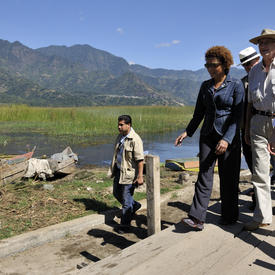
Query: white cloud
162	45
175	42
131	63
167	44
120	30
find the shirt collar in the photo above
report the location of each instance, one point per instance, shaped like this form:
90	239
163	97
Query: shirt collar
227	79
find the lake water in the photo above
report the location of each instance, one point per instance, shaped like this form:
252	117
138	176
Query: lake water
156	144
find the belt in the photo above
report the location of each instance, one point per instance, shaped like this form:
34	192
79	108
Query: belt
262	113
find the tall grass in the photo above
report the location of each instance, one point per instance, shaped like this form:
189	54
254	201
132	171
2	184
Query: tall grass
91	121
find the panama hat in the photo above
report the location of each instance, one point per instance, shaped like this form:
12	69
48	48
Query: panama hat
266	33
247	54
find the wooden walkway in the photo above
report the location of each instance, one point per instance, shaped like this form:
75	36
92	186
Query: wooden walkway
215	250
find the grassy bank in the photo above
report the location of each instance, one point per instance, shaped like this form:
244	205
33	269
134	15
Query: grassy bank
91	121
28	205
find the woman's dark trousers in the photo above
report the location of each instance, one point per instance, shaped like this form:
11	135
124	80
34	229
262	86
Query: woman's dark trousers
229	172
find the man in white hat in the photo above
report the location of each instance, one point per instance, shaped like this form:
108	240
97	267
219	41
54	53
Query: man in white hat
248	58
259	125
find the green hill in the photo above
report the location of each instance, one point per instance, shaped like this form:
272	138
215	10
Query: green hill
82	75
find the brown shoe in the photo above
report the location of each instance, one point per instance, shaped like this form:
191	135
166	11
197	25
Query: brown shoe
194	223
253	225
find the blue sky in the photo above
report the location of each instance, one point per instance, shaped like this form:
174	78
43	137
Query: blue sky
172	34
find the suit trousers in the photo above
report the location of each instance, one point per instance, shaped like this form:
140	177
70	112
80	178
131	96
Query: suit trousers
260	131
229	172
247	152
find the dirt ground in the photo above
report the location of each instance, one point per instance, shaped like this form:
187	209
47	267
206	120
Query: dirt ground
27	205
93	244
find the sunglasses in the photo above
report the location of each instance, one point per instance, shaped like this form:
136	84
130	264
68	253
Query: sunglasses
247	64
212	65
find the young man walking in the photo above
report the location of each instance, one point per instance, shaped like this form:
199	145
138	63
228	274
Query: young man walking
127	170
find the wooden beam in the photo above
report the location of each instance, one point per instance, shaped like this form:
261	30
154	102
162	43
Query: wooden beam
153	194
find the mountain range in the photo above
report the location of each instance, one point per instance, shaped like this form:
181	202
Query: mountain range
81	75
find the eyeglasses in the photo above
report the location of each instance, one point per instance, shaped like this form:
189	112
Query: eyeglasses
212	65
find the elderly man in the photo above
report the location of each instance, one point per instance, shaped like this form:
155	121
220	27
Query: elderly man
259	125
127	170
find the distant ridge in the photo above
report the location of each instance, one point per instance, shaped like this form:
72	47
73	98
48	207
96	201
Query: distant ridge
81	75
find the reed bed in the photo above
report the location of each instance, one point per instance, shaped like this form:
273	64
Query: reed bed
91	121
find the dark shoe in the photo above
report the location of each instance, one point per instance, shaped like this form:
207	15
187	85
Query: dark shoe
253	225
122	229
223	221
194	223
136	207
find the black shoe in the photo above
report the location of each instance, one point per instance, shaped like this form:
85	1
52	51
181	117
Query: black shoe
122	229
136	207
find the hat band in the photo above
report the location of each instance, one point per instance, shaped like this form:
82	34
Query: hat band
248	57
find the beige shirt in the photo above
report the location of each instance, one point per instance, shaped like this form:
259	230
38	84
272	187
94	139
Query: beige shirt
132	153
262	87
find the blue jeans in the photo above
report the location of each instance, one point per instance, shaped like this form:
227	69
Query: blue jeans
124	194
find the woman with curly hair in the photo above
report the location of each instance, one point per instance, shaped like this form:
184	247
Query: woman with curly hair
219	104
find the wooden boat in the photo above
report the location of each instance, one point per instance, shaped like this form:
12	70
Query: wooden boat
64	165
14	168
64	162
191	164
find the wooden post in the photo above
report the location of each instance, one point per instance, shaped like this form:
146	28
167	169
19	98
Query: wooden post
153	194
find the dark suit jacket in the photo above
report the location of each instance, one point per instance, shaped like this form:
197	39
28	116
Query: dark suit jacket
221	109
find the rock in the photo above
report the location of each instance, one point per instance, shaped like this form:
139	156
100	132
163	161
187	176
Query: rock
49	187
183	177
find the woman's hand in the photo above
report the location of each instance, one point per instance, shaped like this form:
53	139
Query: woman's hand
221	147
180	138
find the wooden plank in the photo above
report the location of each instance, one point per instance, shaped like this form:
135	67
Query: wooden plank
15	167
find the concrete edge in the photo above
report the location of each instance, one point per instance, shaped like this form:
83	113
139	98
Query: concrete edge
40	236
51	233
